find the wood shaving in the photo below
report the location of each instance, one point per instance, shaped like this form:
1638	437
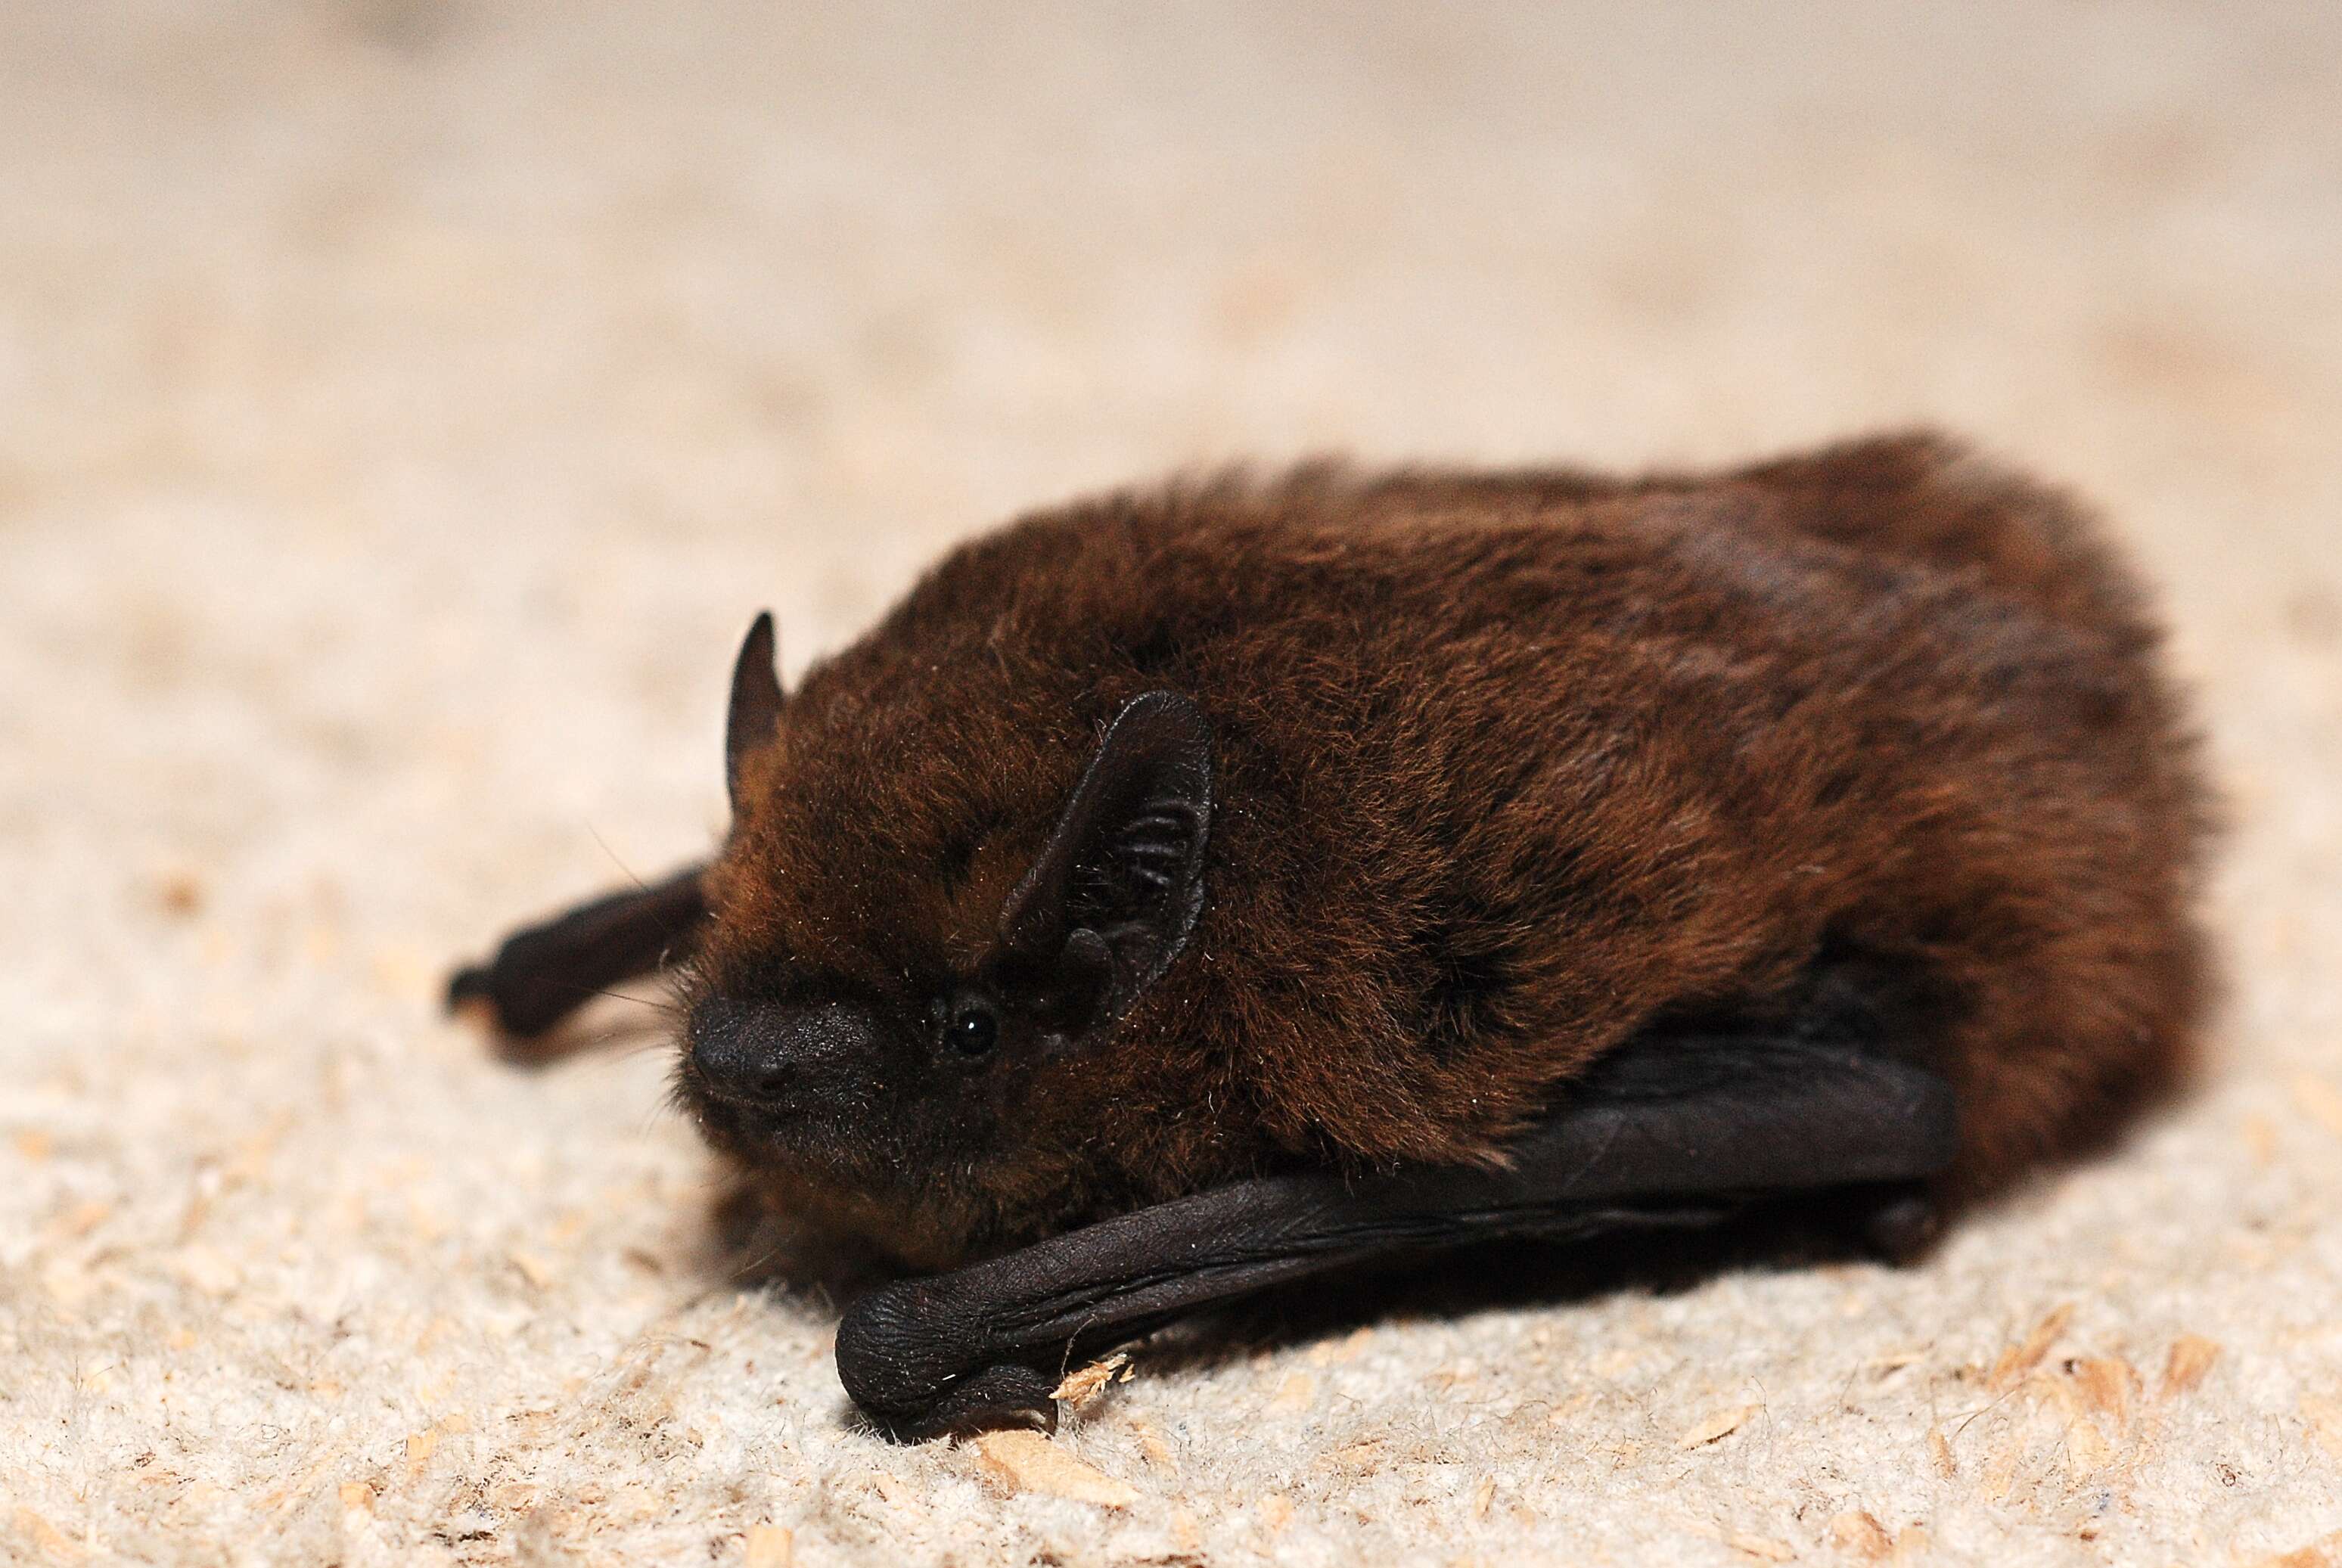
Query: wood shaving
1158	1453
1355	1459
1561	1413
1276	1512
2018	1361
2321	1554
59	1546
1858	1532
1295	1394
2086	1446
1763	1546
1939	1452
2324	1414
2321	1101
1081	1387
770	1546
180	895
1720	1424
2189	1364
208	1270
1026	1461
1912	1545
2000	1473
2106	1385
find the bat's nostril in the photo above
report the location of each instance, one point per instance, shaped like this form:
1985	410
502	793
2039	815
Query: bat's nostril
768	1081
730	1058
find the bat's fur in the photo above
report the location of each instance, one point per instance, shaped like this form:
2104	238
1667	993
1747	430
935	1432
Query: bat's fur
1509	766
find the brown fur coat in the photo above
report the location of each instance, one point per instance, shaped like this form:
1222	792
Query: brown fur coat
1509	766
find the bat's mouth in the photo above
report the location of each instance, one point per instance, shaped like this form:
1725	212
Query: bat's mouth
771	1106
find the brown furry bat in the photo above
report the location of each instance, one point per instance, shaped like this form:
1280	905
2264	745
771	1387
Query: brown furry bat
1202	886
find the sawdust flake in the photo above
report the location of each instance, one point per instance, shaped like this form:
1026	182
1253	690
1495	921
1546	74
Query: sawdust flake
2321	1101
208	1270
2087	1446
1294	1396
2000	1471
2188	1363
1355	1459
2324	1412
1343	1350
1720	1424
1081	1387
1858	1532
1762	1546
770	1546
1029	1462
1276	1512
1158	1453
1185	1535
2106	1385
2324	1553
179	894
59	1546
2019	1360
1940	1451
1912	1545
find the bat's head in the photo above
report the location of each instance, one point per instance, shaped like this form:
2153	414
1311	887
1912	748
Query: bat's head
931	919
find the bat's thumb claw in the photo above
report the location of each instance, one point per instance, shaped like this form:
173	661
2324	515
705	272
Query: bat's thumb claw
467	984
912	1369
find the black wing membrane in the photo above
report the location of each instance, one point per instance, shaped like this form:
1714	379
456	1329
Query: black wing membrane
544	973
1672	1132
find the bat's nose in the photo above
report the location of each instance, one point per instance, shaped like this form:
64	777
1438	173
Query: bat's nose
772	1057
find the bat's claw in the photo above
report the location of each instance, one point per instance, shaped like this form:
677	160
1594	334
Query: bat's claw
999	1396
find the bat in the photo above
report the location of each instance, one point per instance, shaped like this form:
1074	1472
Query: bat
1194	888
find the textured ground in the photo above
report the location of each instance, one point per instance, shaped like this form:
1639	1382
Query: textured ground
403	405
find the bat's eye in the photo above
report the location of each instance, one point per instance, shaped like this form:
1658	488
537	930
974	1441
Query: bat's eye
973	1030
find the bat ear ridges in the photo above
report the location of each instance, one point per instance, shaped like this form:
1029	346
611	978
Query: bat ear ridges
753	717
1117	890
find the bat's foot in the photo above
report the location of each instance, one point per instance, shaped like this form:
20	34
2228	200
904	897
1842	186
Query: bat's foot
1901	1225
987	1401
542	974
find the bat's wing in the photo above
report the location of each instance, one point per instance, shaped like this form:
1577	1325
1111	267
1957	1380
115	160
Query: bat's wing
544	973
1674	1132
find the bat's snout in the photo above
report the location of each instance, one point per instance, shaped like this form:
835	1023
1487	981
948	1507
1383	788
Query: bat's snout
775	1057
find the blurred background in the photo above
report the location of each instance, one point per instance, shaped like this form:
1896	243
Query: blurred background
405	406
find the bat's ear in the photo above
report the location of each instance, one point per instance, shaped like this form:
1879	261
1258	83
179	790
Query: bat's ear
1114	894
753	717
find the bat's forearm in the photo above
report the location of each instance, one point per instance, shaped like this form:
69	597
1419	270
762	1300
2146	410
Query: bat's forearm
986	1344
543	973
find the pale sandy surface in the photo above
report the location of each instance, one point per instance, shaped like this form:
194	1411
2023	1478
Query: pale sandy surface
403	407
